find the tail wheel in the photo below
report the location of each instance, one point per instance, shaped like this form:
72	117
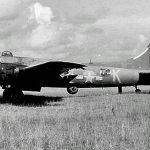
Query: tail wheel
138	91
72	90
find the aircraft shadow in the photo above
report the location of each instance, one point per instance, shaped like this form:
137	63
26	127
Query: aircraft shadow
34	101
39	101
132	92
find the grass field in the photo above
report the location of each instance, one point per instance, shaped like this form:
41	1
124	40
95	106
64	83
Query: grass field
94	119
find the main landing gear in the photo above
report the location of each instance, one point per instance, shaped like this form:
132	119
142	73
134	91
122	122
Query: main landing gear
72	89
138	91
120	89
14	95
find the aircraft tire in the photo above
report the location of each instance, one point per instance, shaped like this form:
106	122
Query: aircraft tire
6	95
72	89
138	91
16	96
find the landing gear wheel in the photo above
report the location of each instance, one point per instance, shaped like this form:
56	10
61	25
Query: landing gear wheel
138	91
12	95
16	96
6	95
120	89
72	89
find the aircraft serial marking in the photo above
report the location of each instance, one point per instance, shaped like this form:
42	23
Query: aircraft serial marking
116	76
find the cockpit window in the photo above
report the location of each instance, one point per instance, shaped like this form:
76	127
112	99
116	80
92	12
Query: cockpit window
105	72
7	53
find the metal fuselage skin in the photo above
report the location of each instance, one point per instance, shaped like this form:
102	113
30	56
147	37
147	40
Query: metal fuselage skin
95	76
91	76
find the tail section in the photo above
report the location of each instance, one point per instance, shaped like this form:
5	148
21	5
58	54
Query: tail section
143	54
141	61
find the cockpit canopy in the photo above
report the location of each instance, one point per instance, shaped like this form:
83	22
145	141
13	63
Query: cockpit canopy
7	54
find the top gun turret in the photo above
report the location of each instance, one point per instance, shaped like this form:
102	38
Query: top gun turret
7	53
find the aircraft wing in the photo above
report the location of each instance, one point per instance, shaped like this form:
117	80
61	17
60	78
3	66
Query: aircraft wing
57	67
52	72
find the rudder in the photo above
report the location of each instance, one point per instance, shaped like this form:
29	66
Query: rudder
142	60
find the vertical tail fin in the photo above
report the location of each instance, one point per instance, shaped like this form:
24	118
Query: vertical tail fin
143	59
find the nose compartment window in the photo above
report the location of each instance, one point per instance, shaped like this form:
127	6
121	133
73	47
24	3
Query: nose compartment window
105	72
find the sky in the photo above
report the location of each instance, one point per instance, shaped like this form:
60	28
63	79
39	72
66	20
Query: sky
75	30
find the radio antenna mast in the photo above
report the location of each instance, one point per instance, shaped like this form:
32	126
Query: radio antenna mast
90	61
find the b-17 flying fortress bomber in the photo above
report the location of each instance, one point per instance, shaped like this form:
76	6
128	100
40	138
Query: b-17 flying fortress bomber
19	74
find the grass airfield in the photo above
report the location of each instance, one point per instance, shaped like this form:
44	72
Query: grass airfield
93	119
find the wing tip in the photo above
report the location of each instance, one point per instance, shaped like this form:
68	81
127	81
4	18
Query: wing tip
80	66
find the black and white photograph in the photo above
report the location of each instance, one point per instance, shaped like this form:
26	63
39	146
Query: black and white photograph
74	74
